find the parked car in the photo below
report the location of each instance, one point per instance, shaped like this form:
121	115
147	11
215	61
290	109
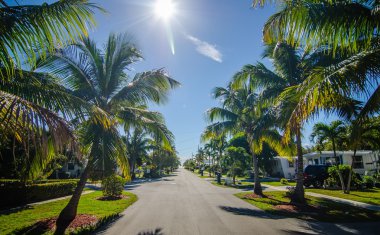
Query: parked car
315	175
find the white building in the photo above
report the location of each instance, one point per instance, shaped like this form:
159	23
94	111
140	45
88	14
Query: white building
366	162
283	168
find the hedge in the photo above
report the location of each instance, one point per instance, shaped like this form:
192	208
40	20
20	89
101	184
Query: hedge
13	193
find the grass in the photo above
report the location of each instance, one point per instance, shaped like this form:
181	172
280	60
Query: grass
318	208
370	196
21	219
278	183
243	185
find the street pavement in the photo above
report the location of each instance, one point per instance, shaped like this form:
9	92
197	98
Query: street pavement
186	204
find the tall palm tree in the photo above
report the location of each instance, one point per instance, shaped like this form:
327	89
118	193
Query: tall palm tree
34	106
99	77
241	112
208	148
354	42
332	133
217	143
362	133
138	145
289	71
279	90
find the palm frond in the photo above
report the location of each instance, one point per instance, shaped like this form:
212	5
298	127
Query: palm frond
217	113
147	86
120	53
32	124
316	23
151	122
33	29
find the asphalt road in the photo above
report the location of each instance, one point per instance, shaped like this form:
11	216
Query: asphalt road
186	204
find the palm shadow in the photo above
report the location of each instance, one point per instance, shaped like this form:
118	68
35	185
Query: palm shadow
9	211
249	212
157	231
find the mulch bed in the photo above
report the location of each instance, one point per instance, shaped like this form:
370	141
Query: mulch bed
287	207
112	198
81	220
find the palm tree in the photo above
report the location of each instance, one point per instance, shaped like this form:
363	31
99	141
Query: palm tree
99	78
354	43
30	105
290	67
27	31
34	106
138	145
217	143
241	112
362	133
333	133
208	148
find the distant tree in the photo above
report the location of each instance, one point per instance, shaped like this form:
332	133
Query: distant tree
333	133
236	160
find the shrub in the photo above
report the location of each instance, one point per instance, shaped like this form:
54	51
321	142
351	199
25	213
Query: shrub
369	181
334	180
113	186
14	193
284	181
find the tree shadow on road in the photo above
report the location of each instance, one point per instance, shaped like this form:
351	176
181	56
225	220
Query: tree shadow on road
315	227
249	212
157	231
137	183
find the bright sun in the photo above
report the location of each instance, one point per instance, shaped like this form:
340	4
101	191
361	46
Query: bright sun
164	9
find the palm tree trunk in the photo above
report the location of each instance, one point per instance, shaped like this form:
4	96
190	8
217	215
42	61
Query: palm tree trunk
257	188
348	188
209	163
68	213
339	172
257	185
133	165
299	193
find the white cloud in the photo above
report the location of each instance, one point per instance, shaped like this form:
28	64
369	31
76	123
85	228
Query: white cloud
206	49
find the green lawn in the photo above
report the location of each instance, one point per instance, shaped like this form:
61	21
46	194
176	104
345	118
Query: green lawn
11	222
319	209
370	196
242	185
277	183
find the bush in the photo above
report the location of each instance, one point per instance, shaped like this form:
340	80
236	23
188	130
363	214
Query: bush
334	181
113	186
284	181
14	193
369	181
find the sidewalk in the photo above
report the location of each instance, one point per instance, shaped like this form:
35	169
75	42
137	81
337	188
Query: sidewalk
336	199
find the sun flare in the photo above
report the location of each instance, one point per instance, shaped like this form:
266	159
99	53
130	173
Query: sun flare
164	9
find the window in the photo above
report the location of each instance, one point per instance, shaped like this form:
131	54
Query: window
316	162
358	162
291	163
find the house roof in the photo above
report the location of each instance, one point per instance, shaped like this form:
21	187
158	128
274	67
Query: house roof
349	152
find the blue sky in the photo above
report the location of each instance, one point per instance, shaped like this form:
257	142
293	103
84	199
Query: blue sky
212	40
